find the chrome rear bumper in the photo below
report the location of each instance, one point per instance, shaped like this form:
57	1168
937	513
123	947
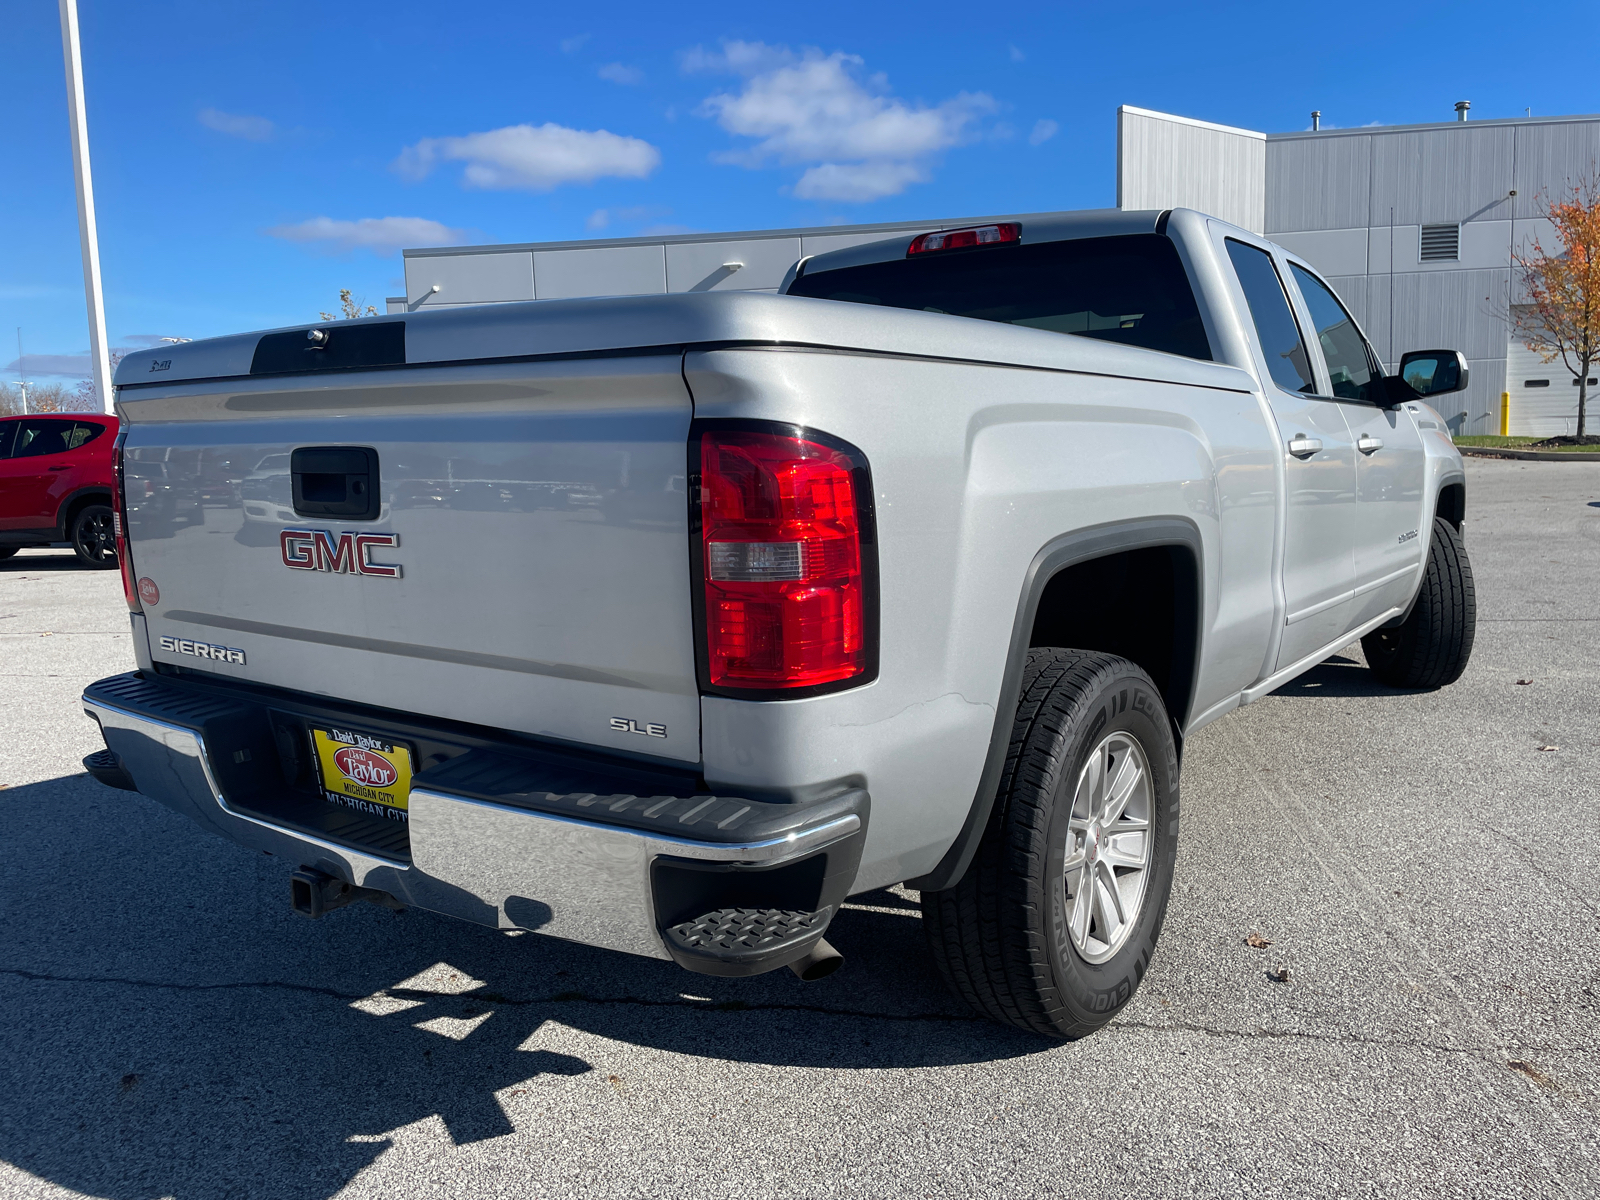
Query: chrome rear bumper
494	864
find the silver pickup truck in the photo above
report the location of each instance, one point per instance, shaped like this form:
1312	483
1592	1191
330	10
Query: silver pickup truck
665	624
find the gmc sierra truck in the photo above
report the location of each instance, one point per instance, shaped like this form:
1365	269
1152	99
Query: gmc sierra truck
665	624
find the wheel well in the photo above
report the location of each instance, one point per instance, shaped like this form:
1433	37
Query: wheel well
1142	605
76	505
1452	504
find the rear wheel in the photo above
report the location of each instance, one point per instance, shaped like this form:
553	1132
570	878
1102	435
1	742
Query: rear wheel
94	537
1054	924
1430	648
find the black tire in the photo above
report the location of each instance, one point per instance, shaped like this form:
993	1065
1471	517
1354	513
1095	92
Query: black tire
1000	935
1430	648
94	536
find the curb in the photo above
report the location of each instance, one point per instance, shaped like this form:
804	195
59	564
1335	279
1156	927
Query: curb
1532	455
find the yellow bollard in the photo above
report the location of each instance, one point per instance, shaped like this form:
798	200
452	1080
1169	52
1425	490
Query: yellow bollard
1505	414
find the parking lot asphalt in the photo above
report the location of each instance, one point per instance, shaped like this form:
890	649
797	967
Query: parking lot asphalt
1426	866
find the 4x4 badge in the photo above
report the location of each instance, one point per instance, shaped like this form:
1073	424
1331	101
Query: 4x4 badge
346	554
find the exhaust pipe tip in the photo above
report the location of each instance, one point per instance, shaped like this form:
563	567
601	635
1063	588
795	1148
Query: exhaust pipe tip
819	962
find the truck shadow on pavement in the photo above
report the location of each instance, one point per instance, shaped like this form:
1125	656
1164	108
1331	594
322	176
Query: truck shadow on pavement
1339	678
175	1030
61	562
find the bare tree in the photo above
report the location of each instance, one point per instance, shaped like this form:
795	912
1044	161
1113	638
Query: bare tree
1563	318
87	397
350	309
10	400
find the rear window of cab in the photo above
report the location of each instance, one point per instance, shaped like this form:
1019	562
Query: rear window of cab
1130	289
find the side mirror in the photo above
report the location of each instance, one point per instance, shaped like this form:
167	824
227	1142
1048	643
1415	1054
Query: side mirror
1434	372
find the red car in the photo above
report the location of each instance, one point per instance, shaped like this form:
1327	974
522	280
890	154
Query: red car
56	484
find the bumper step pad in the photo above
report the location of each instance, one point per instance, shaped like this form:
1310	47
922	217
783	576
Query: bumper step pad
737	938
107	768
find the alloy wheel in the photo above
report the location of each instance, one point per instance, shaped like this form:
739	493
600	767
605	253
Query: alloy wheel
1107	864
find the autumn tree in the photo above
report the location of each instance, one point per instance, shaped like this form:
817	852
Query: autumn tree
350	309
49	398
1562	319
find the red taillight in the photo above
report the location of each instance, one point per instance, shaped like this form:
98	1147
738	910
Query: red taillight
955	239
119	522
783	522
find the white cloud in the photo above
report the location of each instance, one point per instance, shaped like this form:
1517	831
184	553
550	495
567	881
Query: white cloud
1043	130
572	45
600	218
381	235
239	125
77	366
619	73
74	366
535	158
858	182
813	108
735	58
1016	55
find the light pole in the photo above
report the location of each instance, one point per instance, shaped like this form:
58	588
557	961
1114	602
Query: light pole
99	356
22	384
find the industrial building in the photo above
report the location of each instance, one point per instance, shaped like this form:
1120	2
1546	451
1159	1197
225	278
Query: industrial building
1415	225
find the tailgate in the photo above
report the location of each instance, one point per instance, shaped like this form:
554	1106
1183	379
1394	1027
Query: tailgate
539	519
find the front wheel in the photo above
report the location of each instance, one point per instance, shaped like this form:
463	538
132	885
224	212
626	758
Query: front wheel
1054	924
1430	648
94	537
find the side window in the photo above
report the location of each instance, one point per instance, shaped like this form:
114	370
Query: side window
1274	320
8	431
1350	361
83	432
36	438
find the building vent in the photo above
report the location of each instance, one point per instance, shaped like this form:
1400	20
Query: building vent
1441	243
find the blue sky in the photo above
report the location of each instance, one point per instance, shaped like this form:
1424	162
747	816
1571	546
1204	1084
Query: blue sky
250	160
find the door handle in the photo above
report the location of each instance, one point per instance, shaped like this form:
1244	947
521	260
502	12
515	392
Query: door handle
62	467
1302	446
1368	444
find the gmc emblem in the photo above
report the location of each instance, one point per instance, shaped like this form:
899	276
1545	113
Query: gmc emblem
347	554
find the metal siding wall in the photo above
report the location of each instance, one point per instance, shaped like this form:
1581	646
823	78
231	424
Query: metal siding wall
603	271
1318	183
1330	251
1169	164
1457	310
1552	157
698	266
469	279
1438	175
1476	410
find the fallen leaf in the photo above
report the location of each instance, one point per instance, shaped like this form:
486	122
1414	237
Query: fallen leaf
129	1082
46	633
1523	682
1281	975
1547	749
1256	942
1532	1072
